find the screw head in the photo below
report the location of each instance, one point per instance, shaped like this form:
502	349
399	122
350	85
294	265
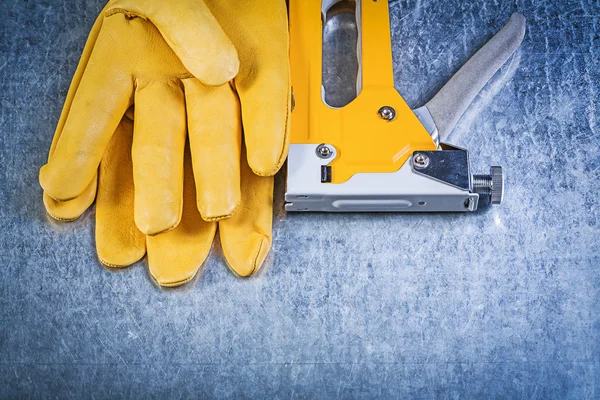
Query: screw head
420	161
387	113
324	151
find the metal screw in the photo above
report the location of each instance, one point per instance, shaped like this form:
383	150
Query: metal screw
387	113
324	151
421	161
490	186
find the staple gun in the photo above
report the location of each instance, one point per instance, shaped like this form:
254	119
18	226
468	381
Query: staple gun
375	153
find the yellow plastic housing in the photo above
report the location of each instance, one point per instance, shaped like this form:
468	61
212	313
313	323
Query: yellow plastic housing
364	141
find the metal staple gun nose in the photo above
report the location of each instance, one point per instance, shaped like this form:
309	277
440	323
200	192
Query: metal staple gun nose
375	153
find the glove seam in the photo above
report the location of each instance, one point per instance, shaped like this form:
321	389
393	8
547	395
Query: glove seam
61	219
254	264
110	265
222	217
177	283
165	231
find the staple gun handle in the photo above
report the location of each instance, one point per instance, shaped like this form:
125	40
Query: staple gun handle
450	103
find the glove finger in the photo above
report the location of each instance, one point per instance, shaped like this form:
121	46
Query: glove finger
158	146
266	119
102	97
72	209
175	257
83	62
260	31
215	141
246	236
212	59
118	241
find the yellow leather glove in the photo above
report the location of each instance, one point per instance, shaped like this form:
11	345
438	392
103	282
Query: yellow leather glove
168	59
176	256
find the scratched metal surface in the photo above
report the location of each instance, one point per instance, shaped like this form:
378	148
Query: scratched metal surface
502	304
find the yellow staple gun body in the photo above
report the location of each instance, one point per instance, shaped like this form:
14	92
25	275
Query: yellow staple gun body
374	153
365	142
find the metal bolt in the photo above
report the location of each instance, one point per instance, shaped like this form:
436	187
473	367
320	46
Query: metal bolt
387	113
324	151
421	161
490	186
